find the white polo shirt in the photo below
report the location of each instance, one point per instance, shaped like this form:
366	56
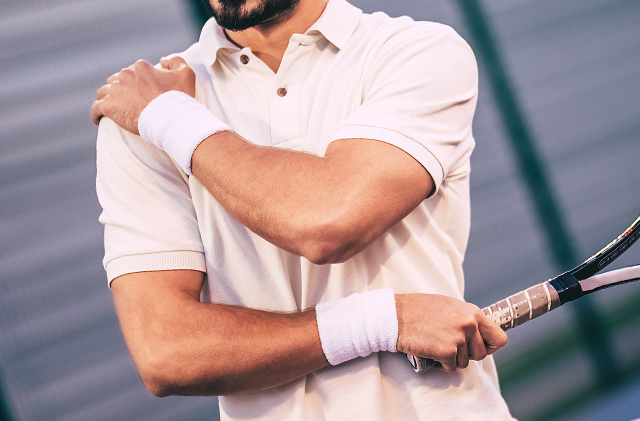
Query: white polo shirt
351	75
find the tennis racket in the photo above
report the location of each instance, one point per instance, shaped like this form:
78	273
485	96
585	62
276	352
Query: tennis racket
542	298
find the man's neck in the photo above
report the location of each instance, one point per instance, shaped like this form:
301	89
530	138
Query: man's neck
269	41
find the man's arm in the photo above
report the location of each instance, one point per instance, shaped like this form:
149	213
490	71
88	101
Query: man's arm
184	347
324	208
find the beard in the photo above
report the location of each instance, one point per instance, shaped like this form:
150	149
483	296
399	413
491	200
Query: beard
230	14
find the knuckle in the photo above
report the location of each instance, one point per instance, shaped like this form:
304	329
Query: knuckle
480	355
470	325
447	352
124	73
449	368
141	64
186	70
473	318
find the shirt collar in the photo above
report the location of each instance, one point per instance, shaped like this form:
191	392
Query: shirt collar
337	23
212	39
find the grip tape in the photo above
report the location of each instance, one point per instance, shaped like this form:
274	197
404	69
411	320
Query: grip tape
523	306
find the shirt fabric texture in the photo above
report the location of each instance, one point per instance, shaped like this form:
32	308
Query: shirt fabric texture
351	75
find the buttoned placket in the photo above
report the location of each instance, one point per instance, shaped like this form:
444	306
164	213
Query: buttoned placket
261	78
279	94
284	97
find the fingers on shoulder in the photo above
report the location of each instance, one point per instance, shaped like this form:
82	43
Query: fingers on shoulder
96	112
172	63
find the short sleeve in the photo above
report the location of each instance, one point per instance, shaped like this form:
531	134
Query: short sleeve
148	215
419	94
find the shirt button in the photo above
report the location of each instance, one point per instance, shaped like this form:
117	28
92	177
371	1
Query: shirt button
244	59
282	91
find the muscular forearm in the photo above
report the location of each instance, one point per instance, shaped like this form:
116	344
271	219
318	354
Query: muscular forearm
324	208
184	347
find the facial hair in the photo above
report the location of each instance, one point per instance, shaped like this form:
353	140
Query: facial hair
230	14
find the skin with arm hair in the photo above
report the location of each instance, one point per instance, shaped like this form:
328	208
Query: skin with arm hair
184	347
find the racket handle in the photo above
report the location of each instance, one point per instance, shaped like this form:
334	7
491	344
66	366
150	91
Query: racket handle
523	306
509	313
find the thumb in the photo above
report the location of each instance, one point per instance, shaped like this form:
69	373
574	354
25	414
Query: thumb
172	63
494	337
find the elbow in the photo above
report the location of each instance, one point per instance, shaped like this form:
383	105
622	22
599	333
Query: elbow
321	254
167	373
330	244
156	376
157	389
163	372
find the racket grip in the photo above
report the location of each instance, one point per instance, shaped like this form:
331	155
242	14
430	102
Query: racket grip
509	313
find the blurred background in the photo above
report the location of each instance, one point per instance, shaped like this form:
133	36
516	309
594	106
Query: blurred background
555	177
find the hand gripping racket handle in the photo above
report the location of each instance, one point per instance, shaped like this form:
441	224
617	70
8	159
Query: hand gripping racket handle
509	313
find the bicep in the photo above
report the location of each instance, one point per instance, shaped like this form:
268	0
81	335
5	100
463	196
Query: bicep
381	171
154	292
382	184
153	310
145	301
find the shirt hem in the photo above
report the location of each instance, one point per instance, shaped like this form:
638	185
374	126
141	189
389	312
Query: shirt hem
167	260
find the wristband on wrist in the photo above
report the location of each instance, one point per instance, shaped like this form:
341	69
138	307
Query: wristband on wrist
357	325
176	123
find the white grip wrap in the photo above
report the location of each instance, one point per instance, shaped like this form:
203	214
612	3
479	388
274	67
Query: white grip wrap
176	123
357	325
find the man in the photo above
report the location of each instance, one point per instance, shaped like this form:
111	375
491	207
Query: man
270	245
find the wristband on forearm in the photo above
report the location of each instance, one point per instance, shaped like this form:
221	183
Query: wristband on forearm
176	123
357	325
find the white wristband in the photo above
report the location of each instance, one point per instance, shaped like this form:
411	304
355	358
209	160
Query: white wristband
357	325
176	123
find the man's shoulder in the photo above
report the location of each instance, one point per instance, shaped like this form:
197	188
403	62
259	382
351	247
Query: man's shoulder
384	40
120	151
382	34
380	25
